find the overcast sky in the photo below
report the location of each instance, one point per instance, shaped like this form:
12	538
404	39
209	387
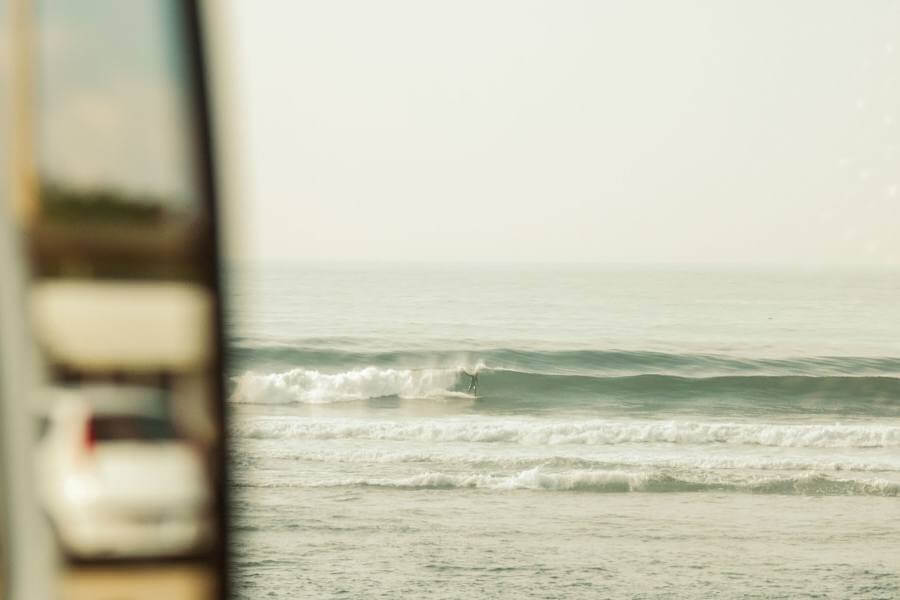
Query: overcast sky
490	130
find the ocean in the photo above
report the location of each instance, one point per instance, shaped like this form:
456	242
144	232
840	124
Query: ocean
636	431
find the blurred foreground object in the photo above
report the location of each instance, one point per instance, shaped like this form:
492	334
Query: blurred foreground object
120	478
114	230
171	321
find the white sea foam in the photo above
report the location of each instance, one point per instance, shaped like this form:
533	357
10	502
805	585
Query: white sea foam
593	432
691	460
309	386
619	481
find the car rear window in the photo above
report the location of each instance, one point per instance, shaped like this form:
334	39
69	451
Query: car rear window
128	427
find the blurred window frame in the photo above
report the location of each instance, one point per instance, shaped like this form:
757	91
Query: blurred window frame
27	561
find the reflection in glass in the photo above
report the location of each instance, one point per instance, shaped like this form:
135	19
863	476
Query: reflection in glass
118	190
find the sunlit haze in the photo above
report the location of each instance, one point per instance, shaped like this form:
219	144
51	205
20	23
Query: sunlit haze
570	131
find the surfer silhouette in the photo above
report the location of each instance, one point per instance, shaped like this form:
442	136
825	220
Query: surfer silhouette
473	384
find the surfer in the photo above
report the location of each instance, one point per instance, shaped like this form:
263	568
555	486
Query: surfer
473	384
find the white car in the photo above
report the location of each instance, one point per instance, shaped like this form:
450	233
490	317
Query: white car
117	480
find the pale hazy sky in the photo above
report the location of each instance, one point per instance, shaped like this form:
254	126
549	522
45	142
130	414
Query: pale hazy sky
494	130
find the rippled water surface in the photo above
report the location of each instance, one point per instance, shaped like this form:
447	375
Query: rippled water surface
634	433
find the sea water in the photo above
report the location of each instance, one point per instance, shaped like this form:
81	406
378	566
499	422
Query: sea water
637	432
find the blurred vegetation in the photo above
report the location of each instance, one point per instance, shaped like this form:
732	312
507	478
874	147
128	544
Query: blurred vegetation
104	232
60	203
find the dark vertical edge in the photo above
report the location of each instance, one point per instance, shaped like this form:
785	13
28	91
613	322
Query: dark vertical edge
210	253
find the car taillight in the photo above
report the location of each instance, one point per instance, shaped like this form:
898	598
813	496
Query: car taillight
90	436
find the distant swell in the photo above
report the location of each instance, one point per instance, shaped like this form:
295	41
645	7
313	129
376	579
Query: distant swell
617	481
594	432
321	354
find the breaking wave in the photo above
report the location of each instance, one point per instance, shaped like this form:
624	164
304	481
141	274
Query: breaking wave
313	387
501	389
